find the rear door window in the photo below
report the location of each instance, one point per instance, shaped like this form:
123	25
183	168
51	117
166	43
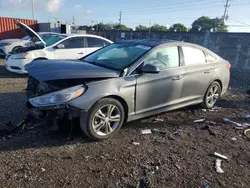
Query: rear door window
193	56
75	42
95	42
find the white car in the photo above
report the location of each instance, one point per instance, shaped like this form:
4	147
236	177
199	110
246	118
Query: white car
54	47
9	45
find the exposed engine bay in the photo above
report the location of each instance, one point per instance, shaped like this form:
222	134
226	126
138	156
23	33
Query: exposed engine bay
26	49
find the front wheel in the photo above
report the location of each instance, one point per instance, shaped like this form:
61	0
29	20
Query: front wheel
104	119
211	96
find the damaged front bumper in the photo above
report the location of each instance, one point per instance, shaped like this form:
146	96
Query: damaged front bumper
52	114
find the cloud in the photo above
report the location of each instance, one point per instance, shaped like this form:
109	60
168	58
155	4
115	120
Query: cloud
40	5
53	5
88	11
77	6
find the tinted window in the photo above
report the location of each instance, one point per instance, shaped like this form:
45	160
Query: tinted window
95	42
76	42
164	58
117	56
193	56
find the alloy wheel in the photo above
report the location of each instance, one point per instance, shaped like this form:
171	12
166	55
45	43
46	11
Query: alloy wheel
213	95
106	120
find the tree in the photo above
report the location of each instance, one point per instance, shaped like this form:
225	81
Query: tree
178	27
121	27
103	27
157	27
205	23
141	28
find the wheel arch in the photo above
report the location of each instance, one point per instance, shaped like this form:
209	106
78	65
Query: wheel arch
219	81
122	101
41	58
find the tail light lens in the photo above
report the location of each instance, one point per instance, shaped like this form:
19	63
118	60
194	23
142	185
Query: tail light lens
228	66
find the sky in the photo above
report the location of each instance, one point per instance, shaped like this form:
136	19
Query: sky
134	12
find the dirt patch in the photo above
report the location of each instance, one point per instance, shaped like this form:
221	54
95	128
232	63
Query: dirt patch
179	155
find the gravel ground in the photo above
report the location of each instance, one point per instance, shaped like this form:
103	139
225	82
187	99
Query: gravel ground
181	155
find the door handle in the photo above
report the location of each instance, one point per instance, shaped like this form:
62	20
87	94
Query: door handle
80	53
208	71
176	78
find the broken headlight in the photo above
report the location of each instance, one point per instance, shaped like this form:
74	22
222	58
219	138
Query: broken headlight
58	97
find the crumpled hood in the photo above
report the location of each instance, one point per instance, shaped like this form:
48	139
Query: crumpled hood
45	70
10	40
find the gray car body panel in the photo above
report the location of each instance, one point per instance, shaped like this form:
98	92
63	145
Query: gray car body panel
148	94
45	70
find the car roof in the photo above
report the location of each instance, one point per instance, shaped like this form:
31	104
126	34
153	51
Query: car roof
147	42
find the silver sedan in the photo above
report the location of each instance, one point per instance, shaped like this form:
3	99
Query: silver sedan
125	81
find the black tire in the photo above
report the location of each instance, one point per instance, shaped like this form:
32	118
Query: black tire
206	104
86	121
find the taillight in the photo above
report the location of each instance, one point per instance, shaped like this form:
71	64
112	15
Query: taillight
228	66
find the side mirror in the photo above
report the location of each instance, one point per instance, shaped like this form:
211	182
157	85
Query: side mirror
60	46
149	68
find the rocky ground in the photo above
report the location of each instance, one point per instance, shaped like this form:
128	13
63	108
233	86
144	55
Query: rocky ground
178	154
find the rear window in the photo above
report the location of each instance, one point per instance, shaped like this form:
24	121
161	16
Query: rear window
193	56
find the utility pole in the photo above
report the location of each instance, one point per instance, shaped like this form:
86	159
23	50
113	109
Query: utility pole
120	17
149	29
33	12
225	15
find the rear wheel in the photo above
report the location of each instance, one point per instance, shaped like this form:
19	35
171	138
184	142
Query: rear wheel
211	96
104	119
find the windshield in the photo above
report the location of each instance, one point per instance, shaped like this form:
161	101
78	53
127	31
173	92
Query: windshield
117	56
26	37
52	39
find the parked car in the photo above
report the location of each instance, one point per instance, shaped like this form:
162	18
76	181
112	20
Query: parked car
126	81
53	47
9	45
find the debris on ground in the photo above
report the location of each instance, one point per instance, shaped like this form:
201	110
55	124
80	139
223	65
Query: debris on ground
159	131
247	133
210	130
220	155
247	116
211	123
136	143
43	169
146	131
178	132
218	166
158	120
199	120
232	122
215	109
142	184
205	185
233	139
203	110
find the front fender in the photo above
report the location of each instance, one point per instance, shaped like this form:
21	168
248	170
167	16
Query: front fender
123	87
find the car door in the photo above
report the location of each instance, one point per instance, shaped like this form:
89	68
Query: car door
71	48
93	44
155	91
197	73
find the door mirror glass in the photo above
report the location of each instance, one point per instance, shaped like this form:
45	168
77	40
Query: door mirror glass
149	68
60	46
